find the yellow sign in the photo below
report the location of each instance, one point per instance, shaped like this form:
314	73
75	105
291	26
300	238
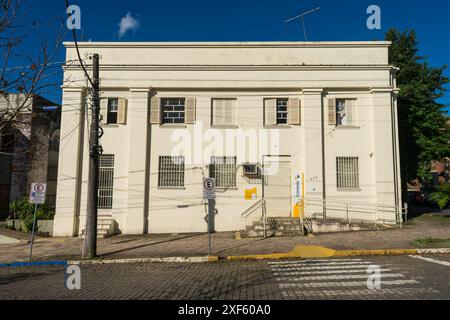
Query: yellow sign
250	194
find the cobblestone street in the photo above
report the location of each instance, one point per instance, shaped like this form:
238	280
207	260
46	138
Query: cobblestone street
402	277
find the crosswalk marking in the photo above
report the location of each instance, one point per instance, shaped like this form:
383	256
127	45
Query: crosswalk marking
351	267
327	278
299	273
343	284
443	263
338	277
311	260
365	292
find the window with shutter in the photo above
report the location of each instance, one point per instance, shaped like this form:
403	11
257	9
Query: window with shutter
223	112
345	112
173	110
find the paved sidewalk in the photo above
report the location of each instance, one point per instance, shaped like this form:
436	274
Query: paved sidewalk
224	244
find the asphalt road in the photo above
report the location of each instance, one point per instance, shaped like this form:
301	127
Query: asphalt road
402	277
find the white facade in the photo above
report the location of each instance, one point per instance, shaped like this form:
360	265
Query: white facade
313	78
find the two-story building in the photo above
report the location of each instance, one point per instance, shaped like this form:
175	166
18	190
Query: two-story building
279	121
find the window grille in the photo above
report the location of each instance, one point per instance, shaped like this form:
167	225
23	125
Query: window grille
173	110
223	169
347	170
171	172
282	111
106	182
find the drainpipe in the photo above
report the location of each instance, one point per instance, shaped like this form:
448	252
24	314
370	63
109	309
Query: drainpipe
395	148
324	191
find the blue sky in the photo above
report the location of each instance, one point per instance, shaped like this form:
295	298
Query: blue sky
252	20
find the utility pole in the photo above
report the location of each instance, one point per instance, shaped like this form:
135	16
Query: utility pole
90	234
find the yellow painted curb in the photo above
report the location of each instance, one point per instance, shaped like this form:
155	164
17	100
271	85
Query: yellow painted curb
305	252
213	258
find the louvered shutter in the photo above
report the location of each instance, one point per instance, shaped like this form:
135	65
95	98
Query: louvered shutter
350	111
229	106
270	112
294	111
155	111
332	111
104	110
122	112
190	110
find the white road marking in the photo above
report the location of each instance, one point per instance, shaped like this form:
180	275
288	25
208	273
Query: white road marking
328	293
344	284
311	260
300	273
288	269
444	263
327	264
339	277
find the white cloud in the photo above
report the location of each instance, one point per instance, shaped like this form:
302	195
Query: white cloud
126	24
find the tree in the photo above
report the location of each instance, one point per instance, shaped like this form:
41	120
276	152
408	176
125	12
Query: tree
28	73
424	134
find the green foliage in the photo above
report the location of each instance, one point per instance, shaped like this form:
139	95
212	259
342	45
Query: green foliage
442	195
423	130
24	210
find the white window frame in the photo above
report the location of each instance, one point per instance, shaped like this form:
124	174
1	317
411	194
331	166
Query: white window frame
224	170
347	173
106	181
171	171
223	121
344	108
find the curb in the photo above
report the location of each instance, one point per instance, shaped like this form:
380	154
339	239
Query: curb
146	260
301	252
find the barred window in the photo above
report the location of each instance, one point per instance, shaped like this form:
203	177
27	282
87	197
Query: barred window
171	172
173	110
106	181
223	169
347	170
282	111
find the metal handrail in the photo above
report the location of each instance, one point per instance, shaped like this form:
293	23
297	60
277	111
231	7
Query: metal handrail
250	210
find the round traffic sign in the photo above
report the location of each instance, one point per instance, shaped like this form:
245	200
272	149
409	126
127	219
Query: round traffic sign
39	187
209	184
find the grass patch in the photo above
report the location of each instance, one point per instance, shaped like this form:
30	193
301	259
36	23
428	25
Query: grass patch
432	243
434	217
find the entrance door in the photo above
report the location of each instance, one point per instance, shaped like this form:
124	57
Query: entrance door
277	186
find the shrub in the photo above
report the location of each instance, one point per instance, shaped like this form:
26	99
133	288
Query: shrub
442	195
24	210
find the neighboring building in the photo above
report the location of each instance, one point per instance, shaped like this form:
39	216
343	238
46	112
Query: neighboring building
28	149
186	99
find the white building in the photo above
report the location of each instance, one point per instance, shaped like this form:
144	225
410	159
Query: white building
327	108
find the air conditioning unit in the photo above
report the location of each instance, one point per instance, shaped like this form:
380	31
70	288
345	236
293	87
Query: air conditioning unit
250	169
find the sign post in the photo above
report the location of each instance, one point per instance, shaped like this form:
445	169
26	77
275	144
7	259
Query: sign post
37	196
209	193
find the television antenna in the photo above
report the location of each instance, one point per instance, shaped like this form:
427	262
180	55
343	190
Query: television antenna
302	18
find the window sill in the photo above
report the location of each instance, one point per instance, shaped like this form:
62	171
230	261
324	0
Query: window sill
278	126
224	126
348	126
110	125
226	189
169	125
349	190
171	188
